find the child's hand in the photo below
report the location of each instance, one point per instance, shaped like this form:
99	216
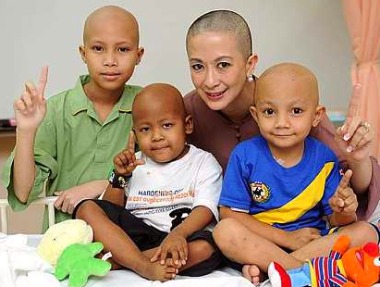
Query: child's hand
355	137
174	246
125	162
344	200
299	238
30	108
68	199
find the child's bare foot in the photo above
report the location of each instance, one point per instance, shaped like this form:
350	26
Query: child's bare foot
252	273
156	271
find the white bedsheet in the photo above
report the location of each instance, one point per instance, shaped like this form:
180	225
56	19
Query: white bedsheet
225	277
125	278
122	278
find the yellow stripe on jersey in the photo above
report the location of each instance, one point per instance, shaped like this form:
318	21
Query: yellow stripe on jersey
305	201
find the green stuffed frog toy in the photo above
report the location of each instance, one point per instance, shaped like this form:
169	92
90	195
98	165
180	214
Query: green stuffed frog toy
78	262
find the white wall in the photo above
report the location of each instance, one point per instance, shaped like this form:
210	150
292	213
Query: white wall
38	32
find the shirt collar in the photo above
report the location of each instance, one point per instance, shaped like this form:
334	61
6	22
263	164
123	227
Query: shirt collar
80	101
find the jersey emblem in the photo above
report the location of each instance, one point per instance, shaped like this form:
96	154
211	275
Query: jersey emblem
260	191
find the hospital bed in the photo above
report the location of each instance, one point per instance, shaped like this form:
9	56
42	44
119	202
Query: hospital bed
125	278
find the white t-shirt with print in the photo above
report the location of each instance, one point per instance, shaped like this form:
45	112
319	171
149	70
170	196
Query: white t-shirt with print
157	189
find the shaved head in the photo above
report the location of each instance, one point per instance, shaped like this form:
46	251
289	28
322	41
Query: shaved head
111	13
159	94
224	21
287	73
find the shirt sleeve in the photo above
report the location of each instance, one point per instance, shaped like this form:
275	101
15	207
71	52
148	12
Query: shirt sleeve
209	185
46	166
235	191
368	200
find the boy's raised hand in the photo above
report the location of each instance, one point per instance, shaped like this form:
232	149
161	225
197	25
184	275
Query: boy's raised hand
125	162
344	200
30	108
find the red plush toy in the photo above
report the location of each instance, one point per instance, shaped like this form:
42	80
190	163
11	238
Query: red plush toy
346	267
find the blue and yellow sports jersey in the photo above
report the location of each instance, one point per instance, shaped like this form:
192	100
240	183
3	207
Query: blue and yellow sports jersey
287	198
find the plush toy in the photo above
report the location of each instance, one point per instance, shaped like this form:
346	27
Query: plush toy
346	267
61	235
77	261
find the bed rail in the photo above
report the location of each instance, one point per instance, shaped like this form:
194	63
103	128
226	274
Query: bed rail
48	201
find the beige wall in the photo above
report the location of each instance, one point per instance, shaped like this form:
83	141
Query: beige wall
30	220
309	32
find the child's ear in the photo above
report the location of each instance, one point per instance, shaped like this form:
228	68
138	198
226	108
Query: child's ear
253	111
82	53
134	133
188	124
319	112
140	54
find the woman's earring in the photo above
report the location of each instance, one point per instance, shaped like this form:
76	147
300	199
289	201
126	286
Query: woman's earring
250	78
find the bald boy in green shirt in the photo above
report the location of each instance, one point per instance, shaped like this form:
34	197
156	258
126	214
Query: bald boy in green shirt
65	145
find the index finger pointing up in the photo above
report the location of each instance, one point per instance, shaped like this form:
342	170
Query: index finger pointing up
344	182
42	82
131	142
